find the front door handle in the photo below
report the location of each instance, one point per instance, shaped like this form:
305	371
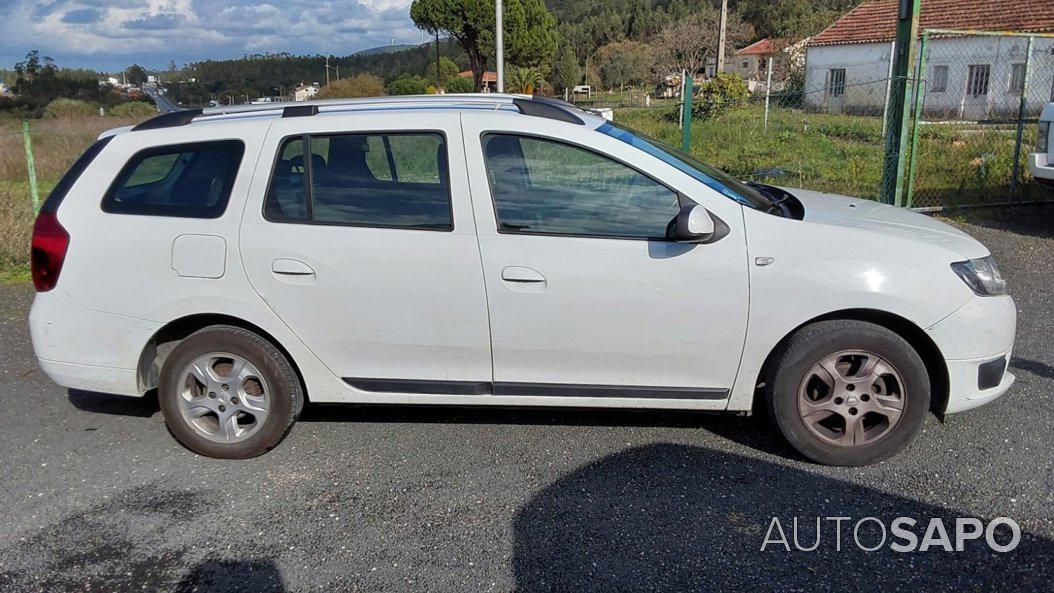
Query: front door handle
521	274
291	267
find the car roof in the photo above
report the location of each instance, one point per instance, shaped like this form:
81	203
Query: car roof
526	105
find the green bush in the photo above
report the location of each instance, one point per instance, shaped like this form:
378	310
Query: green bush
70	109
132	109
719	95
406	84
459	85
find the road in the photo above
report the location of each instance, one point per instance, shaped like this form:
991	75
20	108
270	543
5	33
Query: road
97	495
162	102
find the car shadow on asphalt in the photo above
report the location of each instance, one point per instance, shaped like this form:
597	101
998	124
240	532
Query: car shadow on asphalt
754	431
669	517
1029	220
751	431
114	405
1040	369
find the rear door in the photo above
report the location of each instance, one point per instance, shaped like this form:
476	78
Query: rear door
588	299
360	237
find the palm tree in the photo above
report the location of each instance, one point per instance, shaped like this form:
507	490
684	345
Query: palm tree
524	80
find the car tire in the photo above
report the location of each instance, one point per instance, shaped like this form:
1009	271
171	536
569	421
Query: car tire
228	393
847	392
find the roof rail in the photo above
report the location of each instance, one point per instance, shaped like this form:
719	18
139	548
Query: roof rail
169	120
537	106
545	109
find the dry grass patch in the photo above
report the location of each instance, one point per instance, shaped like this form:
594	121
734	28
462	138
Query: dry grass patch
56	144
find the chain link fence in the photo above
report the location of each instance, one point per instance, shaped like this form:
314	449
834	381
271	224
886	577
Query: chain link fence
975	118
823	125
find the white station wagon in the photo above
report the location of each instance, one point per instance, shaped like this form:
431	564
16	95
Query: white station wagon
495	250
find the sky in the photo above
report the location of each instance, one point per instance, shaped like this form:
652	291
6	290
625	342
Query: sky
111	34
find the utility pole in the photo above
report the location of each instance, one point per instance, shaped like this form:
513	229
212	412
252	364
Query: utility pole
721	32
439	80
499	41
327	70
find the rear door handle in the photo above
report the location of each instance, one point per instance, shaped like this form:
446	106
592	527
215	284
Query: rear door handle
291	267
521	274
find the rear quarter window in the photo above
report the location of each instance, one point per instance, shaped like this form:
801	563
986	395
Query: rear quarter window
183	180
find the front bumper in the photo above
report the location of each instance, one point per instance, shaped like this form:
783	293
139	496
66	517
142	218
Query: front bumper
980	332
1041	168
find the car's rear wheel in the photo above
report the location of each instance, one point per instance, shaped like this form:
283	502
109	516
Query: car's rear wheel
226	392
847	392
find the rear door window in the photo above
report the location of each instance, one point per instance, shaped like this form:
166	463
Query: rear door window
184	180
387	180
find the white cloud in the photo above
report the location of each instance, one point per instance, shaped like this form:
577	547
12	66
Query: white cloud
85	32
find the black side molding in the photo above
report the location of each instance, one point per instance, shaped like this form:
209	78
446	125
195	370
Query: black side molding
420	386
532	389
169	120
300	111
570	390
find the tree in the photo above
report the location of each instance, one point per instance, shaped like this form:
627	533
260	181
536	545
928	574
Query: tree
624	62
520	79
689	43
531	38
567	72
447	70
469	22
360	85
406	84
459	85
34	65
136	74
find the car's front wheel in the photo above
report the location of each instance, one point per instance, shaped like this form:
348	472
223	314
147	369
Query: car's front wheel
846	392
227	392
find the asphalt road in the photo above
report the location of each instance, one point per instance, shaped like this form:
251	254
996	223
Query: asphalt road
97	496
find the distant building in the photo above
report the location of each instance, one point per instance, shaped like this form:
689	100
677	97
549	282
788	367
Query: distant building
968	77
751	62
304	92
490	80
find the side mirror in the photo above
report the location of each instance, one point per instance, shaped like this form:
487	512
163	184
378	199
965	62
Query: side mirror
693	225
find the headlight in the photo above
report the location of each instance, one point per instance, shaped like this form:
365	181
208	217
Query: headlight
981	275
1042	136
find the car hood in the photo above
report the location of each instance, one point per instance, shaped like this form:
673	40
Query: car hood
822	208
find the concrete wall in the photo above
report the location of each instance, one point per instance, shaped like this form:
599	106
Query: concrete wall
866	65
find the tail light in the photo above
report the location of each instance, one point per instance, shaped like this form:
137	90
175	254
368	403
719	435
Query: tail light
50	242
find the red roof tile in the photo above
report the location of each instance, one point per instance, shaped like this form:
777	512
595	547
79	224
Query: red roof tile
757	48
876	20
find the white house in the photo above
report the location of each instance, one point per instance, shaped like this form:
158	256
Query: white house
966	77
304	92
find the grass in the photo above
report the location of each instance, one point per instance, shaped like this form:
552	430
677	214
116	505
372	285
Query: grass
957	164
56	144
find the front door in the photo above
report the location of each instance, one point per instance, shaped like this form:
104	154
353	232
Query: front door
365	248
587	297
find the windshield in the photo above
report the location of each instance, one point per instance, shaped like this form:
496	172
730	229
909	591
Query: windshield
713	177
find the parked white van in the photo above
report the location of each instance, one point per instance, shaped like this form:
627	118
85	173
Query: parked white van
1041	162
495	250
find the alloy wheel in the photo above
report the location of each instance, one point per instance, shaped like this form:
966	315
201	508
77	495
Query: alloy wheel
851	398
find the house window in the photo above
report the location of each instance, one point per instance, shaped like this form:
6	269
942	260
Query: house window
746	64
939	84
977	81
1017	78
836	82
